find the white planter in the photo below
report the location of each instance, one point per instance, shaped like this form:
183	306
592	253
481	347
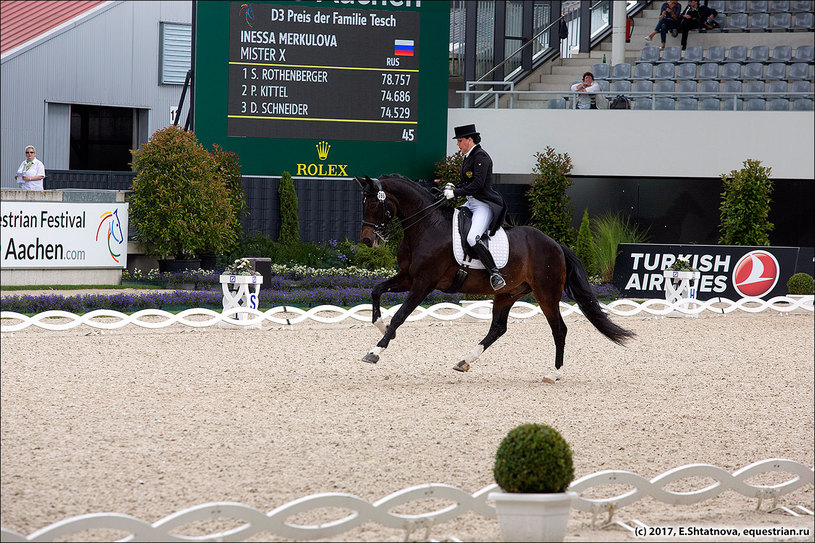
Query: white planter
241	291
533	517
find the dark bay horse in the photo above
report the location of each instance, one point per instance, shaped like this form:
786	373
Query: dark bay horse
536	264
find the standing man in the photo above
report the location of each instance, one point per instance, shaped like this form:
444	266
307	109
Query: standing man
487	205
31	172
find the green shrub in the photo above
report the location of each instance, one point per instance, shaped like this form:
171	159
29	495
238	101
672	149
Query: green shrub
550	206
611	229
449	169
289	223
179	205
374	258
228	169
533	458
584	248
745	208
801	283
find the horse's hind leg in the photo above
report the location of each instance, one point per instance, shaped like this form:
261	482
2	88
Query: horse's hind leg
501	306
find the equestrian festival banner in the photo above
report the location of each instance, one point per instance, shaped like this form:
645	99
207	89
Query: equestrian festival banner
63	235
727	271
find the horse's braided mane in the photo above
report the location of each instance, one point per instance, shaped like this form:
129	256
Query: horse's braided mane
445	210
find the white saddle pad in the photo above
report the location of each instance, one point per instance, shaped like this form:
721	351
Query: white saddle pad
499	247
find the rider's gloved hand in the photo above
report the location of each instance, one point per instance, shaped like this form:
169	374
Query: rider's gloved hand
449	186
448	193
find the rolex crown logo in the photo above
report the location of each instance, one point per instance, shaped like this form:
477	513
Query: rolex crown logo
322	149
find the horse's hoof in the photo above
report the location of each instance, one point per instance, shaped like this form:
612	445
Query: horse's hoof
371	358
462	366
549	380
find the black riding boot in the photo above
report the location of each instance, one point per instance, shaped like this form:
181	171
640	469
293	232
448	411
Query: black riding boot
496	281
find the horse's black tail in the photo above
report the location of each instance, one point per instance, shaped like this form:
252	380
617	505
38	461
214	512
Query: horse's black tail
578	288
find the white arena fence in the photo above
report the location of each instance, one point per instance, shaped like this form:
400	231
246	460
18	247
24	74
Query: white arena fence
256	521
106	319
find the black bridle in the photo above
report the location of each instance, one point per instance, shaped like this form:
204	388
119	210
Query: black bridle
387	226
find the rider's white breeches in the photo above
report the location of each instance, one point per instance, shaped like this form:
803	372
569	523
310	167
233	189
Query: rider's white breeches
482	215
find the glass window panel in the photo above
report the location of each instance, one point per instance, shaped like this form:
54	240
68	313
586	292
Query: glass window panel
484	38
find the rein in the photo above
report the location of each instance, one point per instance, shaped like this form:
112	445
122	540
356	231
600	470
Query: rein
387	227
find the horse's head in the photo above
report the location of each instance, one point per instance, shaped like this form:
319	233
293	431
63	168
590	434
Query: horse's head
377	211
116	227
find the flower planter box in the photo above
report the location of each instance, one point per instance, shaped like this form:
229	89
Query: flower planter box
533	517
241	291
682	286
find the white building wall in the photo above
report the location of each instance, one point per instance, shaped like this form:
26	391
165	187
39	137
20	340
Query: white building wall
109	58
635	143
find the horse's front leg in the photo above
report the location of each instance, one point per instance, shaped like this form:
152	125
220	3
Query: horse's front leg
398	283
418	292
501	306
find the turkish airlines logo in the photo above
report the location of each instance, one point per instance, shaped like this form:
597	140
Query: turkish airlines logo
755	274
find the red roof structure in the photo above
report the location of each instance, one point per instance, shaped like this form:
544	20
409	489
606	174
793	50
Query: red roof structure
23	20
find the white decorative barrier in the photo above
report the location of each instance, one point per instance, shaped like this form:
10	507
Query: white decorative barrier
256	521
482	310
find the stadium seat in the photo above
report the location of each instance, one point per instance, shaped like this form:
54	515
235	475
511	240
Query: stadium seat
685	71
709	104
709	86
714	54
664	71
556	103
781	53
727	104
621	71
736	22
757	6
708	70
665	103
759	53
736	53
605	86
754	86
664	86
801	5
804	53
693	54
601	70
778	104
776	70
803	21
802	104
759	22
781	21
718	5
649	54
731	86
621	86
642	103
730	70
798	70
736	6
799	86
753	70
643	70
643	86
755	104
671	54
779	6
774	87
686	87
687	104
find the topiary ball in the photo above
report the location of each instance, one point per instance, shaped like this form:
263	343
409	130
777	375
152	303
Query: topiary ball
801	283
533	458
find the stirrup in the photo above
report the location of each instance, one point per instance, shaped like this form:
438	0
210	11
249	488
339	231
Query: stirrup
497	281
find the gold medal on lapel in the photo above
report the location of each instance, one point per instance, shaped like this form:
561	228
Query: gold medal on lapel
469	174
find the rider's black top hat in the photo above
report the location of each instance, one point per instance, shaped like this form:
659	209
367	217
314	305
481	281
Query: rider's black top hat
466	131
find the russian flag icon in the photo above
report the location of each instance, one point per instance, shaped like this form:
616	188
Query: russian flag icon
403	48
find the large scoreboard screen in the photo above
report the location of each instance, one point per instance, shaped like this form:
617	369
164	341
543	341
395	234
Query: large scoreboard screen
365	80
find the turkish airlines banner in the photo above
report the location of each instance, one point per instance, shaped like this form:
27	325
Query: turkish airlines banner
728	271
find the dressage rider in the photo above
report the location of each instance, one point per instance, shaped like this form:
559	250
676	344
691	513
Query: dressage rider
487	205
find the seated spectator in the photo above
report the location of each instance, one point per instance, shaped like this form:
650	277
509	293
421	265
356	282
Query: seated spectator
708	16
691	18
669	15
587	86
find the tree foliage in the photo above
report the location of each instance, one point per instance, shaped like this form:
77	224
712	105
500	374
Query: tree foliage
584	248
550	206
289	223
745	208
179	205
